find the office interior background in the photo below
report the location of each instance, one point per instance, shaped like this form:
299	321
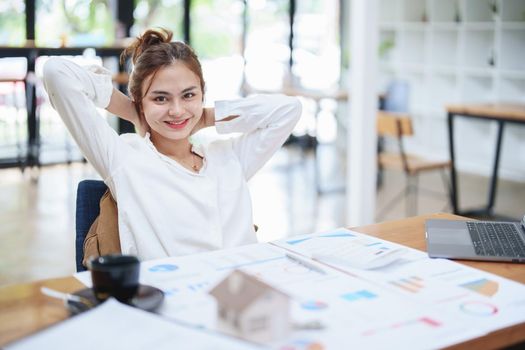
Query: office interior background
430	53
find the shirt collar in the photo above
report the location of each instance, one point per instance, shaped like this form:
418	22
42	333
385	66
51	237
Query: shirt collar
196	148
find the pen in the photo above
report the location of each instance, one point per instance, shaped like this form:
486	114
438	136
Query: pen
305	263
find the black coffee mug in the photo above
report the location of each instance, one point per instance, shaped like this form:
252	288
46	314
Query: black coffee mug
115	276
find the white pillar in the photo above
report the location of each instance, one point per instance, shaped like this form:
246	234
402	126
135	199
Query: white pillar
361	134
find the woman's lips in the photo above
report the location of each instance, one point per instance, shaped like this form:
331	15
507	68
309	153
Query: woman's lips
176	124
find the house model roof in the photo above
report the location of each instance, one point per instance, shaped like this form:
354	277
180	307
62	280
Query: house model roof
239	289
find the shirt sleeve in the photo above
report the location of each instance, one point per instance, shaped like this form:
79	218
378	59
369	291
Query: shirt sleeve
265	122
75	93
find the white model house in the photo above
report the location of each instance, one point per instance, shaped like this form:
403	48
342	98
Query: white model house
251	309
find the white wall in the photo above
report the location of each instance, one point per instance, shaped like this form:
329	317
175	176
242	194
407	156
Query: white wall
458	51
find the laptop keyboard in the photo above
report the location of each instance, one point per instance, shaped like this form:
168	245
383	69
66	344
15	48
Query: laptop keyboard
496	239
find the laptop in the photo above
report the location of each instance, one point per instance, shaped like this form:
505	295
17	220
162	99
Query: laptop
476	240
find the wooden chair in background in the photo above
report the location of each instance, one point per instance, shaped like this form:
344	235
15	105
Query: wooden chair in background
397	126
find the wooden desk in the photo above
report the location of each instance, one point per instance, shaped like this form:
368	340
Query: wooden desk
501	113
24	310
410	232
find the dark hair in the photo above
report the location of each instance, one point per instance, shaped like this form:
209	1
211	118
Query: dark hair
152	51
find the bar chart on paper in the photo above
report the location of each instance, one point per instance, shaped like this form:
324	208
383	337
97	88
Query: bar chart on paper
359	295
314	305
482	286
412	284
163	268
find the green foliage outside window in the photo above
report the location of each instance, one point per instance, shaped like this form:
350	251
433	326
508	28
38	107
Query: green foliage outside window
12	22
216	27
166	14
74	23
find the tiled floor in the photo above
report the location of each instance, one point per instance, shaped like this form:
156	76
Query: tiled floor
37	216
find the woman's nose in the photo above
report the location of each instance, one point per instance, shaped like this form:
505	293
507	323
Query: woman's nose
176	108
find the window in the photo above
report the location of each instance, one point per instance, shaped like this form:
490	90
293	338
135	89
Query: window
267	50
316	44
166	14
216	36
74	23
12	23
216	27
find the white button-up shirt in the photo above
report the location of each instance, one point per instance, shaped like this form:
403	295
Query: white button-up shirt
163	208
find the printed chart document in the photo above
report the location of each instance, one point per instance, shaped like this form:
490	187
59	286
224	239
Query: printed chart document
346	309
350	250
113	325
406	300
477	298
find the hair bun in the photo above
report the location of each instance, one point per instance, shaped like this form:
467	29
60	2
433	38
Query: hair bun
149	38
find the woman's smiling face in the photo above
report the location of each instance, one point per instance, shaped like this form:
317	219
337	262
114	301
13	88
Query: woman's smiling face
173	104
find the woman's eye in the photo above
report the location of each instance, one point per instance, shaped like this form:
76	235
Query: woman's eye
161	99
189	95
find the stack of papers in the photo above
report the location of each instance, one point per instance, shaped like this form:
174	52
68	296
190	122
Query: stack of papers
406	300
113	325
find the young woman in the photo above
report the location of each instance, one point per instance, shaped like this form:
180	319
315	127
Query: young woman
174	198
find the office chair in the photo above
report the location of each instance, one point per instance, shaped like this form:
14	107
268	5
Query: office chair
394	100
89	193
398	126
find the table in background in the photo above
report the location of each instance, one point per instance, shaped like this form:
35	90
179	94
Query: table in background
308	141
24	310
501	113
311	141
31	53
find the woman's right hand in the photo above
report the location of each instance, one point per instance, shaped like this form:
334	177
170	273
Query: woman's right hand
123	107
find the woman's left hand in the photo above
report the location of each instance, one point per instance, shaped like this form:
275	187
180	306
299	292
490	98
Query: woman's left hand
207	119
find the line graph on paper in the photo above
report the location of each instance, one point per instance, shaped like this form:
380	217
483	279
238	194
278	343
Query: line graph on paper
344	246
284	271
408	325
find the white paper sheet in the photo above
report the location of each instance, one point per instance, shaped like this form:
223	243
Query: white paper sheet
113	325
482	300
413	302
84	277
350	250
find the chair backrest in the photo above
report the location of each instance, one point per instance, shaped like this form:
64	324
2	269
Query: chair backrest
394	124
89	193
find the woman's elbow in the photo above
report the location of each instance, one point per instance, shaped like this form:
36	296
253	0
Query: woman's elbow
296	109
53	72
297	106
